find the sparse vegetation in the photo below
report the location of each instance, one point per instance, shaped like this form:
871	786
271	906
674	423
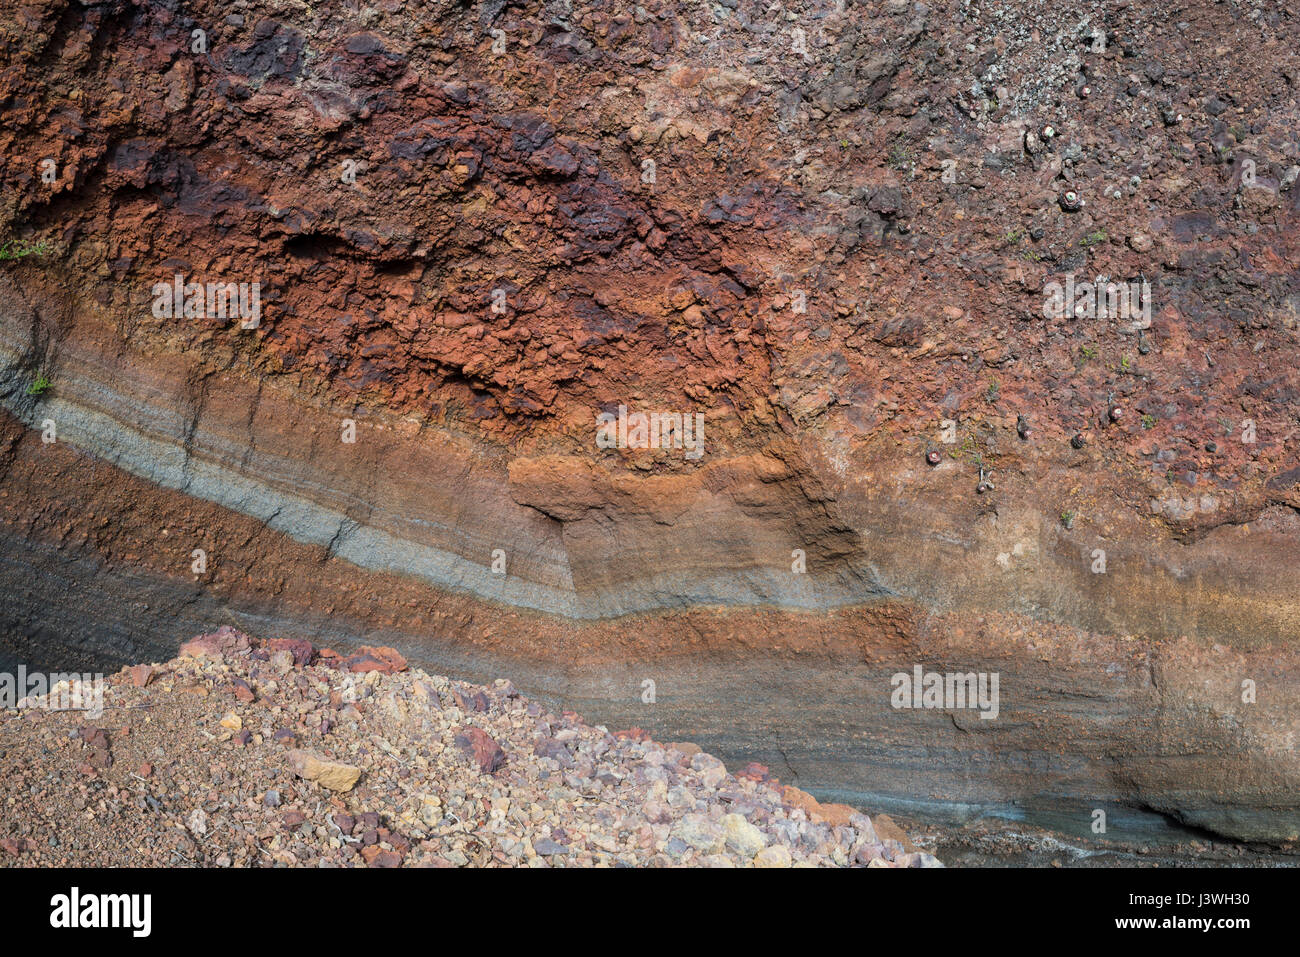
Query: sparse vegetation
39	384
967	449
900	156
1067	519
1093	238
18	248
1148	421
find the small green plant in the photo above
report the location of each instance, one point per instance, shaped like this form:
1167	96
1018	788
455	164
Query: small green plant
1148	421
967	448
1014	236
844	144
1067	519
991	394
1032	257
1088	352
1093	238
18	248
900	157
39	384
1126	364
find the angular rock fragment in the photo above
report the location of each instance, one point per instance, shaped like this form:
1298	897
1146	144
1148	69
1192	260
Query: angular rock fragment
742	838
303	651
384	660
328	773
477	744
223	643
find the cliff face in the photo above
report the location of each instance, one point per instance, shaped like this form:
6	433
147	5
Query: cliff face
824	236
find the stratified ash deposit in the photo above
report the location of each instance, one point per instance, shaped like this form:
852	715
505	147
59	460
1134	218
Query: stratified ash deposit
700	367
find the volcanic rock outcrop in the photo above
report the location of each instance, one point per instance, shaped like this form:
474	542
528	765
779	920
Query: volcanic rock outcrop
426	258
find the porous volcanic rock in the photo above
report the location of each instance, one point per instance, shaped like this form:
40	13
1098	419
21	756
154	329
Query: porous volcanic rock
827	229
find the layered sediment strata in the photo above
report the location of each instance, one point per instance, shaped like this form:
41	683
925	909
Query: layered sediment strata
391	495
1082	718
794	265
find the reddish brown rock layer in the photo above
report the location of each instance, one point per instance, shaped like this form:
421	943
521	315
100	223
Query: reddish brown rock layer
523	172
896	180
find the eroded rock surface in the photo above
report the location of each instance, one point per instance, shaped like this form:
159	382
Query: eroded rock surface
827	229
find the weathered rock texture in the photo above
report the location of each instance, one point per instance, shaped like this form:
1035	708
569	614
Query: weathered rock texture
824	227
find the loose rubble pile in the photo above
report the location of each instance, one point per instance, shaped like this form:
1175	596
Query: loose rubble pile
272	753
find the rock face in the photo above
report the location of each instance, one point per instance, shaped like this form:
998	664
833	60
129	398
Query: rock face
476	243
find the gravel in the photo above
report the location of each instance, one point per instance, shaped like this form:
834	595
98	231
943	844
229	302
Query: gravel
247	753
